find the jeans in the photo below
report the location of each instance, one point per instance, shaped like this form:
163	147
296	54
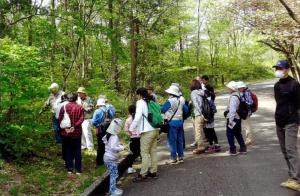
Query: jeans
135	148
287	137
175	139
235	132
112	168
57	130
100	149
73	152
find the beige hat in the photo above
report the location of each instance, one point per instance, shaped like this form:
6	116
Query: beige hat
101	102
232	85
81	90
53	85
115	126
241	84
173	90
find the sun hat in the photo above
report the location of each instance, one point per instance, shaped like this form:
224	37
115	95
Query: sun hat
81	90
241	84
115	126
232	85
53	85
173	90
101	102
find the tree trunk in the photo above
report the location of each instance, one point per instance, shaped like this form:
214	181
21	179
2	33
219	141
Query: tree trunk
134	31
198	39
53	48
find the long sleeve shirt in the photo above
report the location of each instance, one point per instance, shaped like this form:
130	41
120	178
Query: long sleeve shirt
233	107
196	96
112	147
134	133
88	106
76	114
54	101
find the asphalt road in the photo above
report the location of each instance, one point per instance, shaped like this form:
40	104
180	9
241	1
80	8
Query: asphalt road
258	173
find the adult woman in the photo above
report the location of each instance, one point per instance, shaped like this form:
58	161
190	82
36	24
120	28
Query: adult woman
148	139
173	109
197	98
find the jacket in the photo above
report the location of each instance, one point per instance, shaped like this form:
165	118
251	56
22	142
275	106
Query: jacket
196	96
112	147
140	122
233	106
87	105
287	96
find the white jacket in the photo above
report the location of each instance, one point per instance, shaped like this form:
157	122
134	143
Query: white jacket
112	147
140	122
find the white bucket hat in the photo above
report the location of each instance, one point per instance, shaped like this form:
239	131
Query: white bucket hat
53	85
173	90
115	126
101	102
241	84
232	85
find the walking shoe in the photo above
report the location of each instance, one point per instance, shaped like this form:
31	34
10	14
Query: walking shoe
180	160
232	152
210	149
139	178
243	150
78	173
120	190
217	148
117	192
152	175
293	184
284	184
130	170
171	162
193	144
199	151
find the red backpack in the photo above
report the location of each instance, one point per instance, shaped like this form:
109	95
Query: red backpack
254	106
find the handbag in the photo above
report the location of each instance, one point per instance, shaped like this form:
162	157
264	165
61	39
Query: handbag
166	125
66	122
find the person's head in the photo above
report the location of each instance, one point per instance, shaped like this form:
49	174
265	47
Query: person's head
232	87
142	93
173	90
198	78
195	85
241	86
150	90
54	88
101	102
81	92
131	110
64	98
282	68
72	97
115	126
205	79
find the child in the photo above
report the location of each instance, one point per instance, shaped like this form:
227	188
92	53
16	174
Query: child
134	139
112	147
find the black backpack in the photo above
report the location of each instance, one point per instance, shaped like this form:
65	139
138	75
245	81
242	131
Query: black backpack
106	122
243	109
207	110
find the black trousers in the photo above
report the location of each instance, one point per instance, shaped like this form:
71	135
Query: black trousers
100	150
211	135
72	152
135	149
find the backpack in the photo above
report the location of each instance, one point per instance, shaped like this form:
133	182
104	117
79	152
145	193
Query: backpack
243	109
189	113
254	106
106	122
154	116
208	109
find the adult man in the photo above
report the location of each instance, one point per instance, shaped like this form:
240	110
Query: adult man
101	120
53	101
72	135
287	117
246	124
88	106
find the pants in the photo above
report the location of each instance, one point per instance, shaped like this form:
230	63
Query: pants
199	133
135	148
100	150
246	124
63	149
149	152
287	137
112	168
235	132
211	135
57	129
73	152
87	135
176	141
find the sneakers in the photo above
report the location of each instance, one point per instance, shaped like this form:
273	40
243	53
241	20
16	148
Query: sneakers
199	151
152	175
232	152
180	160
210	149
78	173
243	150
291	184
139	178
117	192
130	170
218	148
171	162
193	144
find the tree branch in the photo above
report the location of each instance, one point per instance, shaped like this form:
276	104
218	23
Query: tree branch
271	46
290	11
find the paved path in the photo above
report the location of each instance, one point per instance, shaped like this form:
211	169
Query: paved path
258	173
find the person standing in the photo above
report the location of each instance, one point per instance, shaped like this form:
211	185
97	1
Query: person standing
72	134
53	101
174	108
197	98
101	120
149	137
152	94
246	124
88	106
287	118
234	124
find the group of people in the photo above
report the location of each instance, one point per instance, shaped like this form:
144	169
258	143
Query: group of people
174	111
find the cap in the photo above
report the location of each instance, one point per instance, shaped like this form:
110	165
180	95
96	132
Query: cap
282	64
81	90
53	85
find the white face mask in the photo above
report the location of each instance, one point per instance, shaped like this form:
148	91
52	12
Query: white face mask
279	74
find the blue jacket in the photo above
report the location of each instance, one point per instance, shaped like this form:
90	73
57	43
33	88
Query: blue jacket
99	115
175	123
